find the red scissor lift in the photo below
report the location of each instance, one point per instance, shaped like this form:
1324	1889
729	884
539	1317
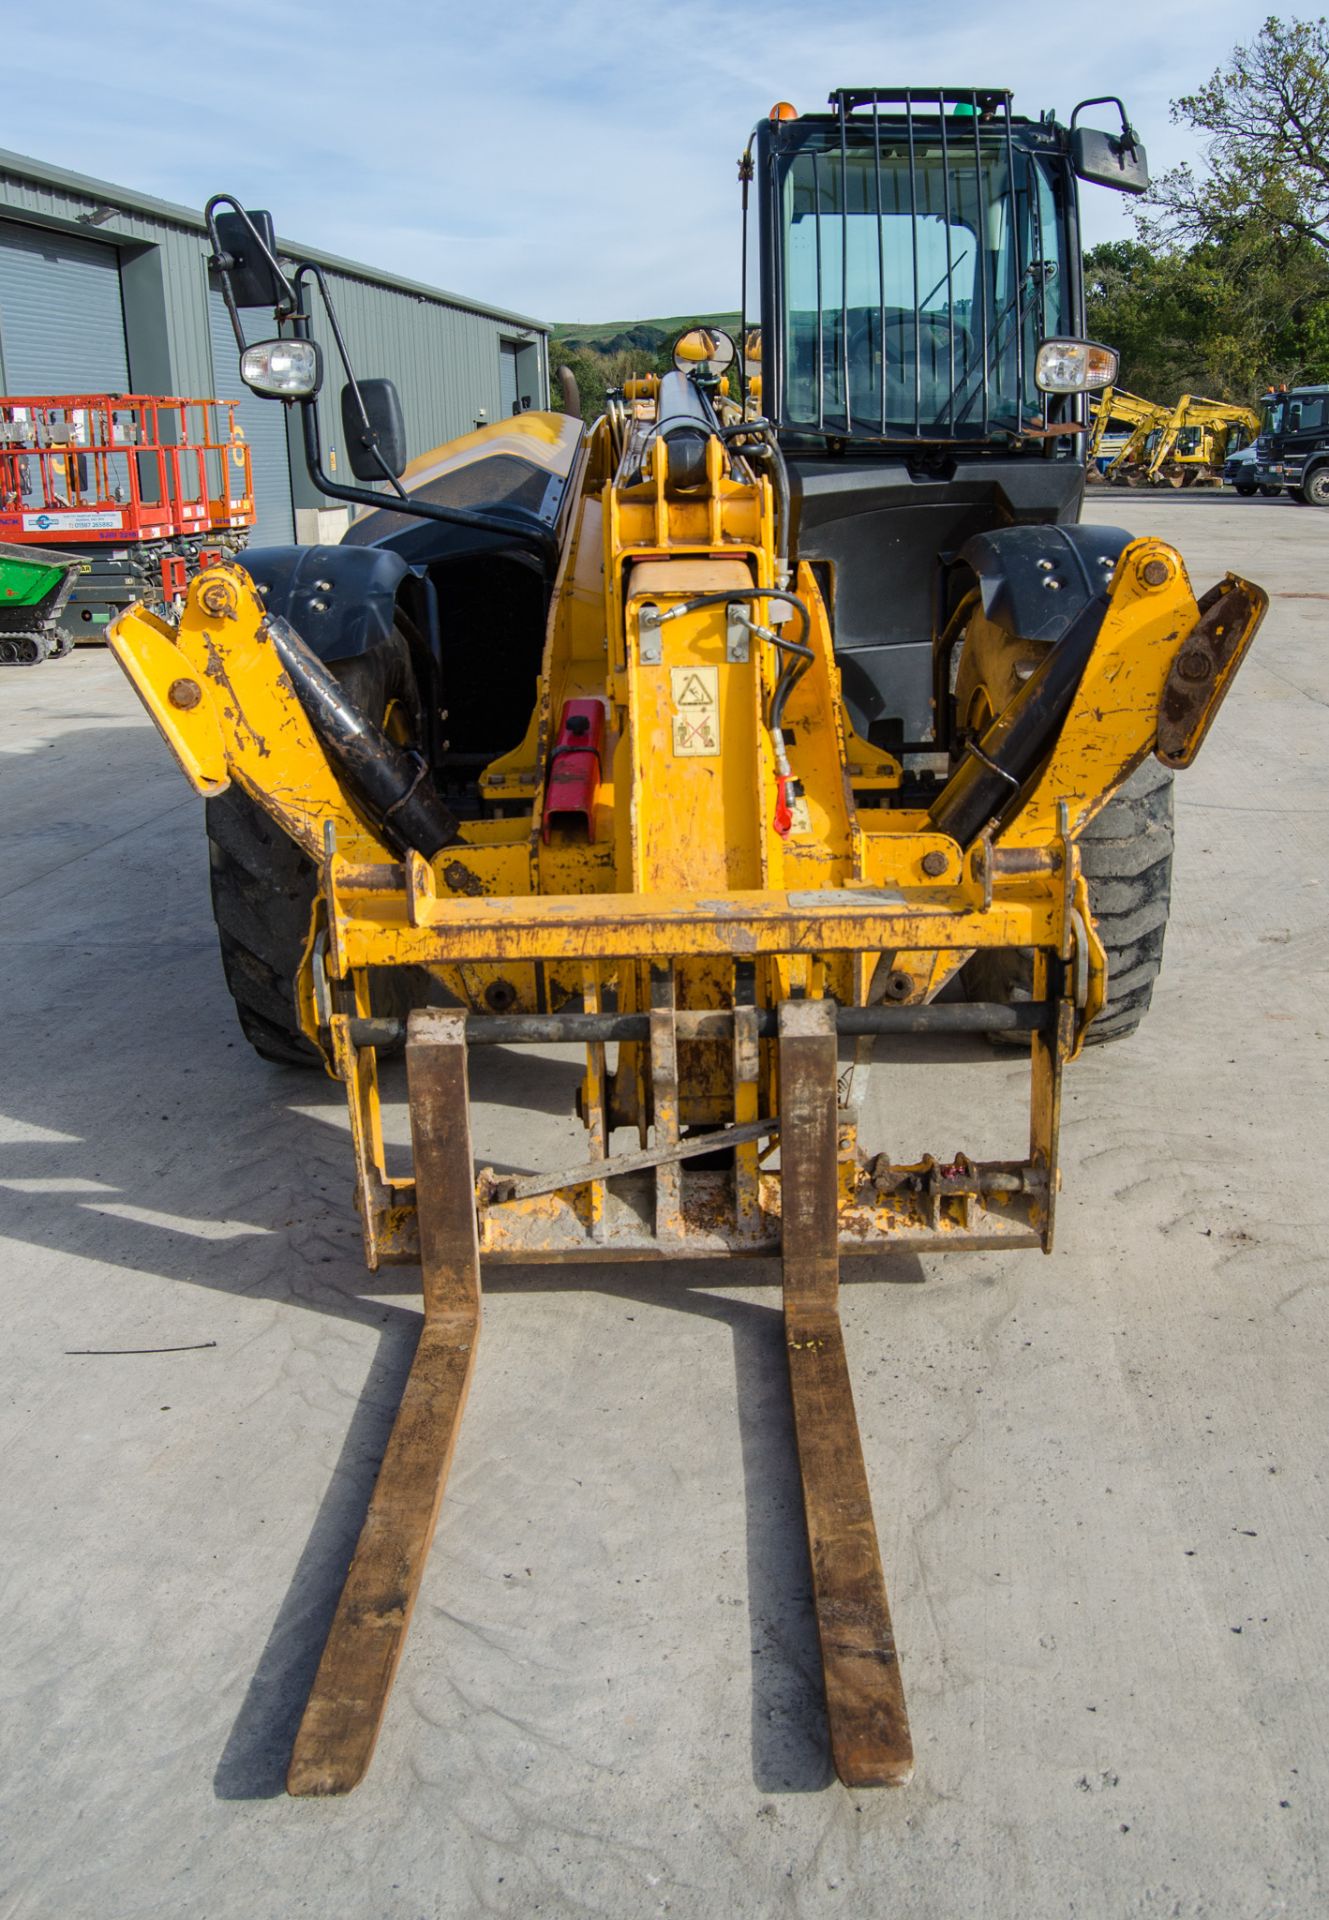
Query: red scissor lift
144	489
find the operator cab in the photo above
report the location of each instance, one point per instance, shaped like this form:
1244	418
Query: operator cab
923	350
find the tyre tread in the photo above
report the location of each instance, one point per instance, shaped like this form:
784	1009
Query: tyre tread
1127	860
1128	868
263	890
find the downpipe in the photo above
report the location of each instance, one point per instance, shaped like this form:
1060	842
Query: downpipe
390	784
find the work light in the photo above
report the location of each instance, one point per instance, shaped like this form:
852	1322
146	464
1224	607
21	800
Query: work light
282	369
1072	366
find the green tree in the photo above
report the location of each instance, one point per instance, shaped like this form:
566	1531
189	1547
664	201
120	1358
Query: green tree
1227	287
597	373
1136	302
1264	120
1210	319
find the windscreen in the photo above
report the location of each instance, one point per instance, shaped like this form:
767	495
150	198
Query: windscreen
1297	413
921	267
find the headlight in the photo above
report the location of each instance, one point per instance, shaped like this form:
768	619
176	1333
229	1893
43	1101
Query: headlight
1072	366
282	369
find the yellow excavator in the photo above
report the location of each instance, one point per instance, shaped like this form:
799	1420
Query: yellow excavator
724	742
1195	440
1112	410
1184	445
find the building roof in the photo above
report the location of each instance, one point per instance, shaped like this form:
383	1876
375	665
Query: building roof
131	201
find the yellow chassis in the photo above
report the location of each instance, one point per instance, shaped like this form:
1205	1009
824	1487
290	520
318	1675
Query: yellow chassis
685	871
715	948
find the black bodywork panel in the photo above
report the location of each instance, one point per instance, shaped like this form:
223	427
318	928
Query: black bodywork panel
501	484
883	531
340	600
1035	580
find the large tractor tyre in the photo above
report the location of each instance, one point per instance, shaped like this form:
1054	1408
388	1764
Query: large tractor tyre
263	884
1125	855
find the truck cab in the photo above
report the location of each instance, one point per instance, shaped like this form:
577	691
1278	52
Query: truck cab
1293	447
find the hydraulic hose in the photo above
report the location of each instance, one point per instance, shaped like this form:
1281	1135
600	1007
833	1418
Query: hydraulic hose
765	446
986	785
391	785
799	653
722	596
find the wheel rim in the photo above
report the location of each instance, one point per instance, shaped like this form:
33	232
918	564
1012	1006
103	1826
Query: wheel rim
1317	488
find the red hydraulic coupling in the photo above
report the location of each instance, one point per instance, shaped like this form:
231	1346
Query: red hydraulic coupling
575	767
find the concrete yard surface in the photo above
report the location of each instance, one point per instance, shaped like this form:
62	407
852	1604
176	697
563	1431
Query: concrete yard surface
1099	1478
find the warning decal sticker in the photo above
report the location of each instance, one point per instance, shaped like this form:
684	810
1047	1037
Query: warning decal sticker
695	698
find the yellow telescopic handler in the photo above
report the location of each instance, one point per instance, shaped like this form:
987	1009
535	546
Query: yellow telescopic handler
720	738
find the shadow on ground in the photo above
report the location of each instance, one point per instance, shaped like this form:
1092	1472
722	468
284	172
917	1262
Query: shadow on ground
140	1132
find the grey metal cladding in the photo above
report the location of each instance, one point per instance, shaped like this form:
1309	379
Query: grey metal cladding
61	320
442	350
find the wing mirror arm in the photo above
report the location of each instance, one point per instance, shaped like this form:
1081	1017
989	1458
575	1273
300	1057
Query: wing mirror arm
1130	139
542	542
356	411
244	255
244	258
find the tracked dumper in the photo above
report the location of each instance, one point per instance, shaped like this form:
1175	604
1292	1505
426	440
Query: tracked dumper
34	589
784	708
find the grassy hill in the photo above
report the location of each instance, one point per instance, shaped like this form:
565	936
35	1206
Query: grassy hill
621	336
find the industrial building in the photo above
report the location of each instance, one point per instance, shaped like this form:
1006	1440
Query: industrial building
104	290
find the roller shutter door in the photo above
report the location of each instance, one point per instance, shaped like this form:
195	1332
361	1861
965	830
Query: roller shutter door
62	323
507	379
264	422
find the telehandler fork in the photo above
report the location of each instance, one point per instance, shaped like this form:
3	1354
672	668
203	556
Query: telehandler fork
731	833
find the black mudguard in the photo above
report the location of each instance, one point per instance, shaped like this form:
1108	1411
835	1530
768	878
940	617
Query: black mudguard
340	600
1035	580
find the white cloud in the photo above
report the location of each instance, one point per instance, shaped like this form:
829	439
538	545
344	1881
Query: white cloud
575	160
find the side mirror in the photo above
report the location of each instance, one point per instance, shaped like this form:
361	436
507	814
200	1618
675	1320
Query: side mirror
705	351
1109	160
375	438
253	283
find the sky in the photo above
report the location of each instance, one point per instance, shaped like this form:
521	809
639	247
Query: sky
573	160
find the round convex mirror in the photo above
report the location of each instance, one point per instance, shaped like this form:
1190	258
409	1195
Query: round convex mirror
704	350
